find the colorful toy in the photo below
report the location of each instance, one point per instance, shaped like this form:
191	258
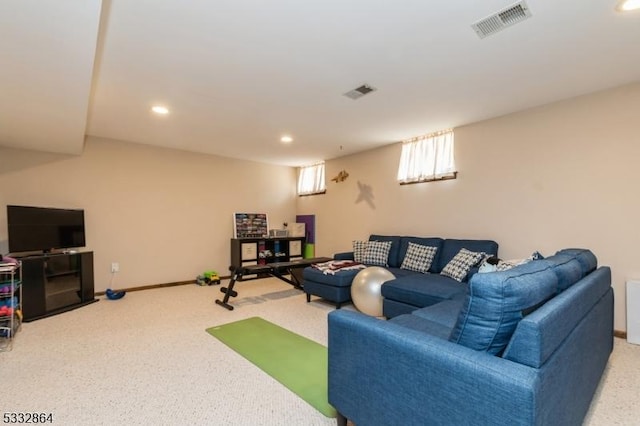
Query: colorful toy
115	295
208	278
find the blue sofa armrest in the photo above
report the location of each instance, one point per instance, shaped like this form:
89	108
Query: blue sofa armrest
381	373
348	255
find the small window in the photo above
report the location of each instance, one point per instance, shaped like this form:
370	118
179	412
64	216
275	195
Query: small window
427	158
311	180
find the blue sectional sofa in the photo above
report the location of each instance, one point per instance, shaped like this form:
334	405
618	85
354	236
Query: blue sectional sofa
410	290
526	346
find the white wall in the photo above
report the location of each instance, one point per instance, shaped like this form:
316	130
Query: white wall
164	215
562	175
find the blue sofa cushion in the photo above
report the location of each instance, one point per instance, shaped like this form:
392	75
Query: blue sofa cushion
420	290
398	272
585	257
444	313
341	278
571	265
451	247
346	255
418	258
395	248
431	242
458	268
423	325
377	253
567	269
540	334
497	301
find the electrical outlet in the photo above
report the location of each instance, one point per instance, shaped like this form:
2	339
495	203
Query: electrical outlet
115	267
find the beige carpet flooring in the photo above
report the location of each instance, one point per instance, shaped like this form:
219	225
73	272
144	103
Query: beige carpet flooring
146	359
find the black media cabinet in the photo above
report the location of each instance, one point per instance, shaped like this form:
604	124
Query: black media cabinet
56	283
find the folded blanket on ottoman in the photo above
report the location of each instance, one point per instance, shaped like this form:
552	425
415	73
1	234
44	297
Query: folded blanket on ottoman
333	266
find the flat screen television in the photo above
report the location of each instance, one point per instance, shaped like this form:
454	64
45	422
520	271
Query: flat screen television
44	229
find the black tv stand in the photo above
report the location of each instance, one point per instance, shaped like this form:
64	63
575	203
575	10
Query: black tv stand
56	282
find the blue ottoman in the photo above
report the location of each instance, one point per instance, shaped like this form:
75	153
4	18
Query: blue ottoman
333	287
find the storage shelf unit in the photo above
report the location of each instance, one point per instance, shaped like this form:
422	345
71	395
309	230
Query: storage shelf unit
260	251
57	283
10	304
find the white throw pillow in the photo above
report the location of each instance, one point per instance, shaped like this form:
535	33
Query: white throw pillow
359	247
461	264
377	253
418	258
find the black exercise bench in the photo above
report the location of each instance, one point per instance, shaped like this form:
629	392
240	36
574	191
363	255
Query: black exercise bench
275	269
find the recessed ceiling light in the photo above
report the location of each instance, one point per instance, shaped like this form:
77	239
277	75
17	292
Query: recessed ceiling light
159	109
286	139
627	5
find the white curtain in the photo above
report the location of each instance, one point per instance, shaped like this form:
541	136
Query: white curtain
427	158
311	179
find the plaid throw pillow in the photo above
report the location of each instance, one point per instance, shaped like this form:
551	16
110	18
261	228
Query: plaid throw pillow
377	253
461	264
359	247
418	258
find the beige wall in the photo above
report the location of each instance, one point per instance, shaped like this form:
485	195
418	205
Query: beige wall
562	175
164	215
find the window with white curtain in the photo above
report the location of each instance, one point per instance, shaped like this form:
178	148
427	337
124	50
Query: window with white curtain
311	180
427	158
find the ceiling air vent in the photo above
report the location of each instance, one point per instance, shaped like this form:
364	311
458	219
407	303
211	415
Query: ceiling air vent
499	21
359	92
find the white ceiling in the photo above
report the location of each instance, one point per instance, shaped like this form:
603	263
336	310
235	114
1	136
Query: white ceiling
238	74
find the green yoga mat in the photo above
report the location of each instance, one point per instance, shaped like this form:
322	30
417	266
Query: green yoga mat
298	363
